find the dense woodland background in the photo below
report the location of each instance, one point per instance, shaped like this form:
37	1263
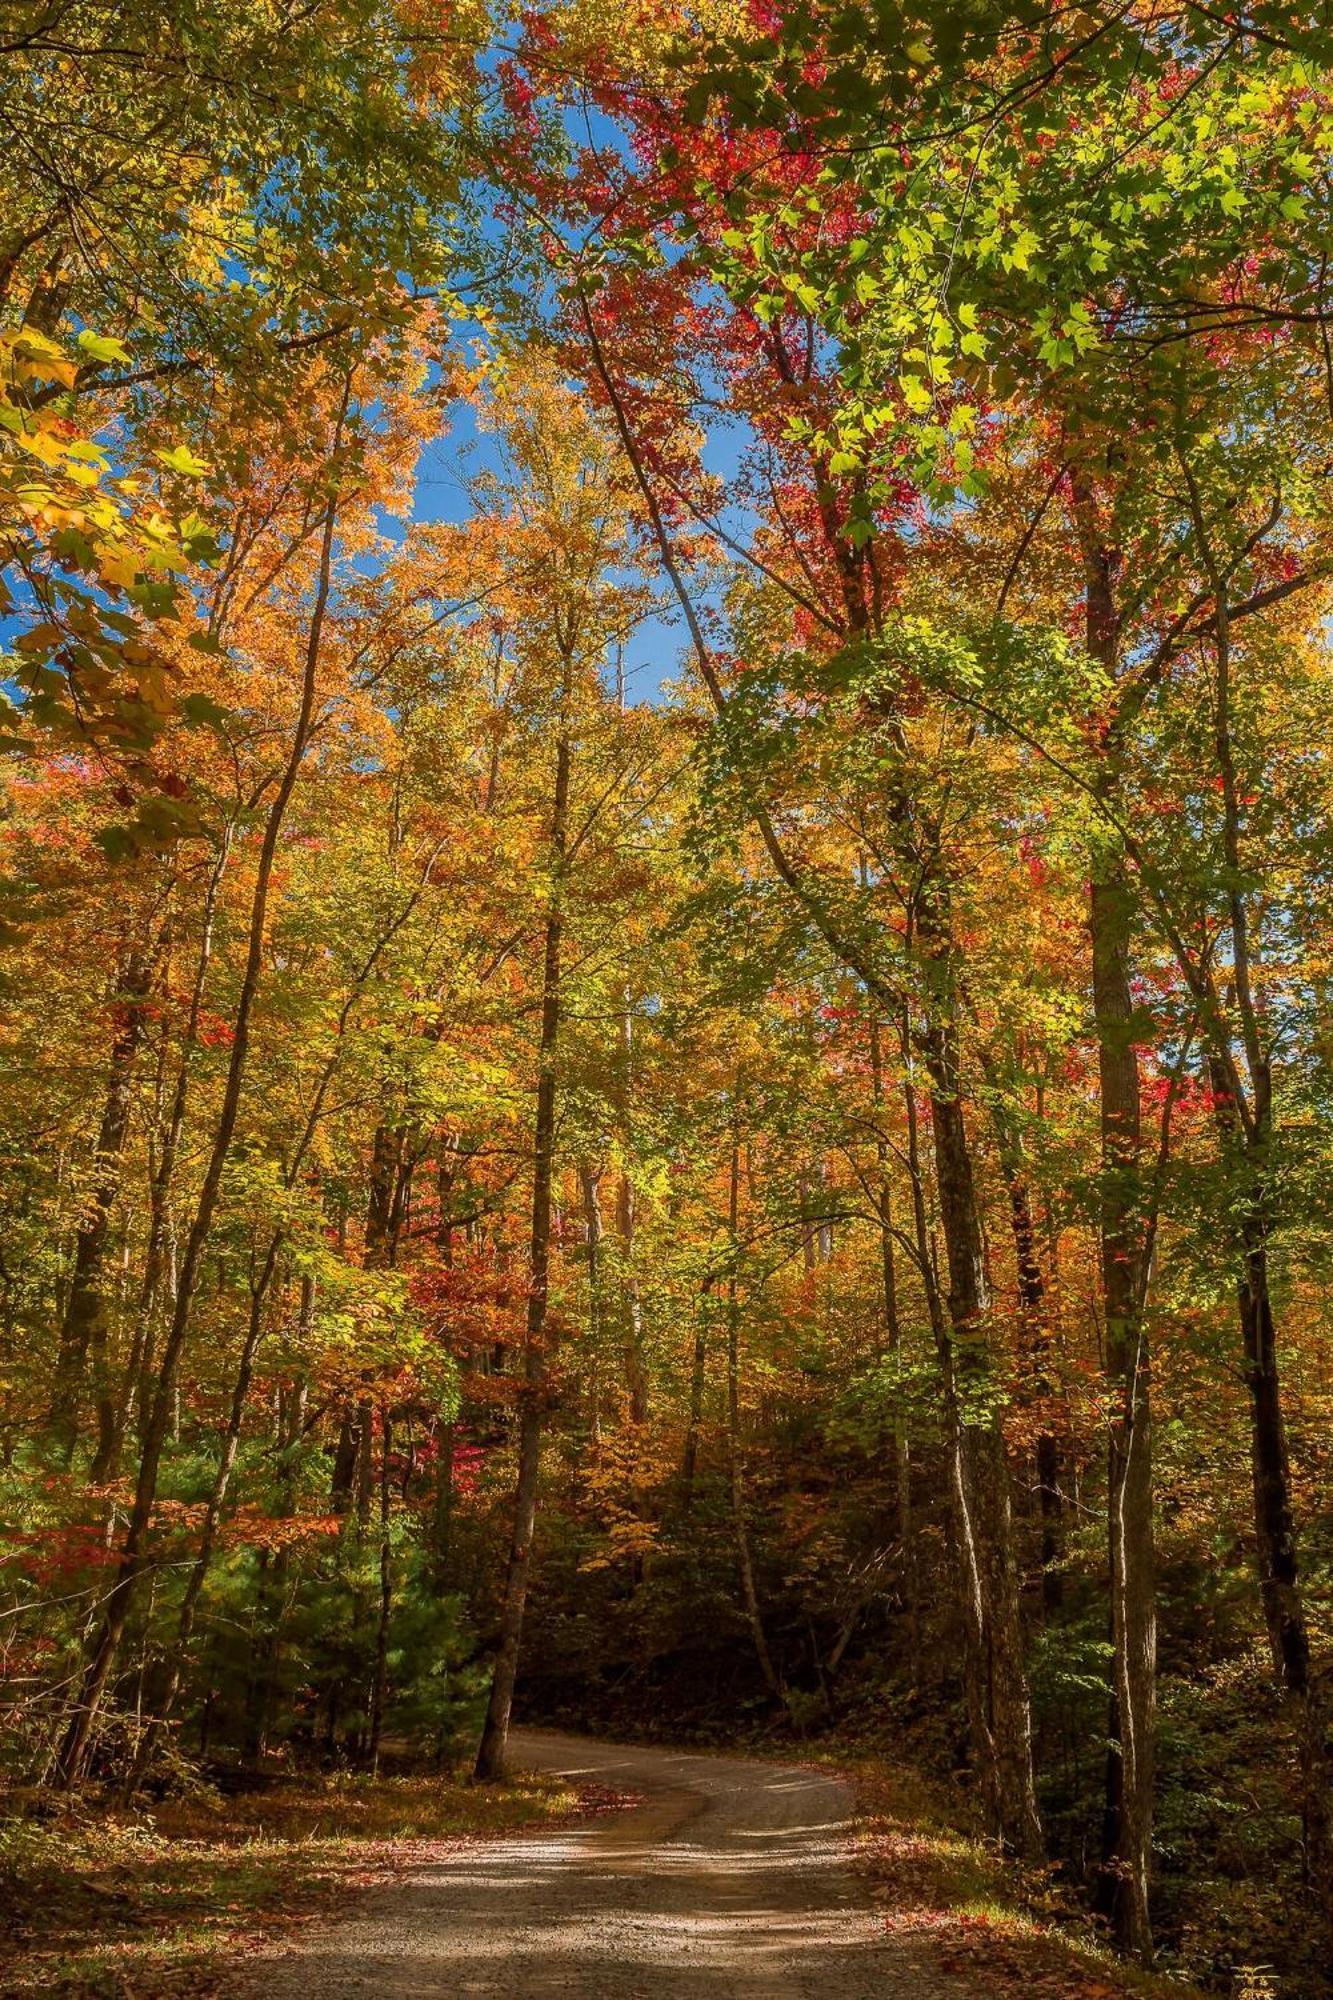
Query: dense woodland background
806	1188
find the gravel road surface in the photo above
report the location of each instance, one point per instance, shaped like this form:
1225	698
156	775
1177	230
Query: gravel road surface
729	1878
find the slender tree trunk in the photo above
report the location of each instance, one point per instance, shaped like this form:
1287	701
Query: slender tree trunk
1124	1290
1247	1133
380	1678
735	1456
208	1534
698	1372
446	1175
809	1251
354	1460
1000	1716
1033	1317
139	1366
590	1188
999	1712
892	1326
383	1199
1129	1461
1276	1555
84	1329
443	1527
1035	1354
443	1518
491	1753
636	1374
1275	1531
1279	1568
346	1458
261	1693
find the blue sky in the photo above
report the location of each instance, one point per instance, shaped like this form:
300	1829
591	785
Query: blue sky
449	461
654	653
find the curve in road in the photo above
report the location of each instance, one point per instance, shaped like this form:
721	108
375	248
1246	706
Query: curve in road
729	1877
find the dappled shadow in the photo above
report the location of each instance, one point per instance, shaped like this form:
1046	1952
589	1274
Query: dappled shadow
727	1878
613	1948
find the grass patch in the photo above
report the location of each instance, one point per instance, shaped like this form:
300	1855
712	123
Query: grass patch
96	1901
994	1924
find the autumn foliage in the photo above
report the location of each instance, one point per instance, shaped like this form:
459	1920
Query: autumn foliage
665	894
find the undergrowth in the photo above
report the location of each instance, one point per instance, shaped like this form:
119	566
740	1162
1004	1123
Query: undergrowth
999	1926
97	1900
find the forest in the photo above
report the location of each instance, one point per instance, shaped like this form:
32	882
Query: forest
666	917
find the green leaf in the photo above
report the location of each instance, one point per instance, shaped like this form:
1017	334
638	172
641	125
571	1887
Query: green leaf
182	460
99	347
1020	254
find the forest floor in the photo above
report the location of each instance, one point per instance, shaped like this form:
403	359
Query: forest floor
166	1899
725	1877
990	1926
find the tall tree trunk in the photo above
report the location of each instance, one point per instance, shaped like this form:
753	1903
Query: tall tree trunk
809	1242
1129	1450
83	1332
443	1515
290	1429
380	1678
1000	1717
892	1326
72	1756
1247	1134
1124	1291
446	1175
968	1581
443	1522
208	1533
1035	1352
1279	1568
1037	1358
354	1460
385	1158
139	1366
698	1371
354	1454
590	1180
346	1458
735	1456
1275	1531
1275	1547
999	1712
491	1753
636	1374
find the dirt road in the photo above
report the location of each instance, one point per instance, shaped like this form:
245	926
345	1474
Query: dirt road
731	1878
